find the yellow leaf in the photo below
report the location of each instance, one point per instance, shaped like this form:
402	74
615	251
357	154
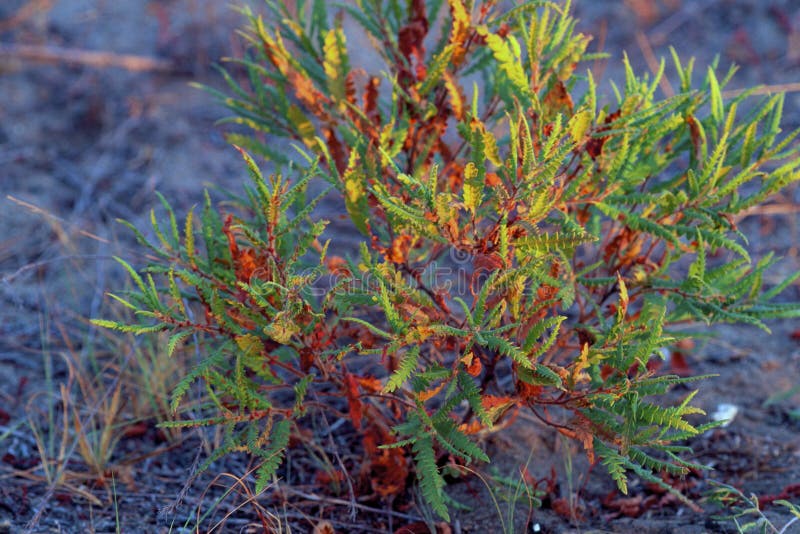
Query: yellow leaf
250	344
581	364
472	190
623	295
492	152
456	96
333	61
282	328
579	124
507	53
355	200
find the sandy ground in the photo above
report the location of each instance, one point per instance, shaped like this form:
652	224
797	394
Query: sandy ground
81	146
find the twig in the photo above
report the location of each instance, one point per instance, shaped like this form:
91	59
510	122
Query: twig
652	63
39	211
765	90
8	278
768	209
24	13
342	502
170	508
91	58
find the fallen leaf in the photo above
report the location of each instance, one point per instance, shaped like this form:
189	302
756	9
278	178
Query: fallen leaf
323	527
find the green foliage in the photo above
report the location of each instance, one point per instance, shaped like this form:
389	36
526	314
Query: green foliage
580	231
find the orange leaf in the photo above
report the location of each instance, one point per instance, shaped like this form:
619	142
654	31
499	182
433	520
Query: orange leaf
425	395
497	406
460	32
472	364
493	180
337	265
557	100
370	383
246	265
473	427
398	253
386	469
456	95
353	400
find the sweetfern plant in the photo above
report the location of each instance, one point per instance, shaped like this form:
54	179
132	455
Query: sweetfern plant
524	245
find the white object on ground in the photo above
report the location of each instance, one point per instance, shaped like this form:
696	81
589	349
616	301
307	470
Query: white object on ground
725	412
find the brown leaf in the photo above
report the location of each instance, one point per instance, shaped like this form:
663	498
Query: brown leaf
386	469
411	37
678	364
323	527
557	100
336	150
337	265
422	528
488	262
646	10
305	91
370	100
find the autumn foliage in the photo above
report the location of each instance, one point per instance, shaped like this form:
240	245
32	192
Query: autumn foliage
525	244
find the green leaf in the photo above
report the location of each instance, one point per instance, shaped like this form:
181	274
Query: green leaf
176	339
717	110
273	454
431	481
408	364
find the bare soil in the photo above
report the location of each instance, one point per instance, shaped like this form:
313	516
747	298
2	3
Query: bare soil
83	144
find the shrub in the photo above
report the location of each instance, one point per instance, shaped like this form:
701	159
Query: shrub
523	246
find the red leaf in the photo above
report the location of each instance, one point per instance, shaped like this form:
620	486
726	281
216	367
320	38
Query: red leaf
410	38
422	528
135	431
336	149
353	400
677	362
371	100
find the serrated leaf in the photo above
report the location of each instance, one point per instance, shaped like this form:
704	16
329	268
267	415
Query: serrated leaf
473	189
407	365
717	110
333	62
506	52
355	195
176	339
579	124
